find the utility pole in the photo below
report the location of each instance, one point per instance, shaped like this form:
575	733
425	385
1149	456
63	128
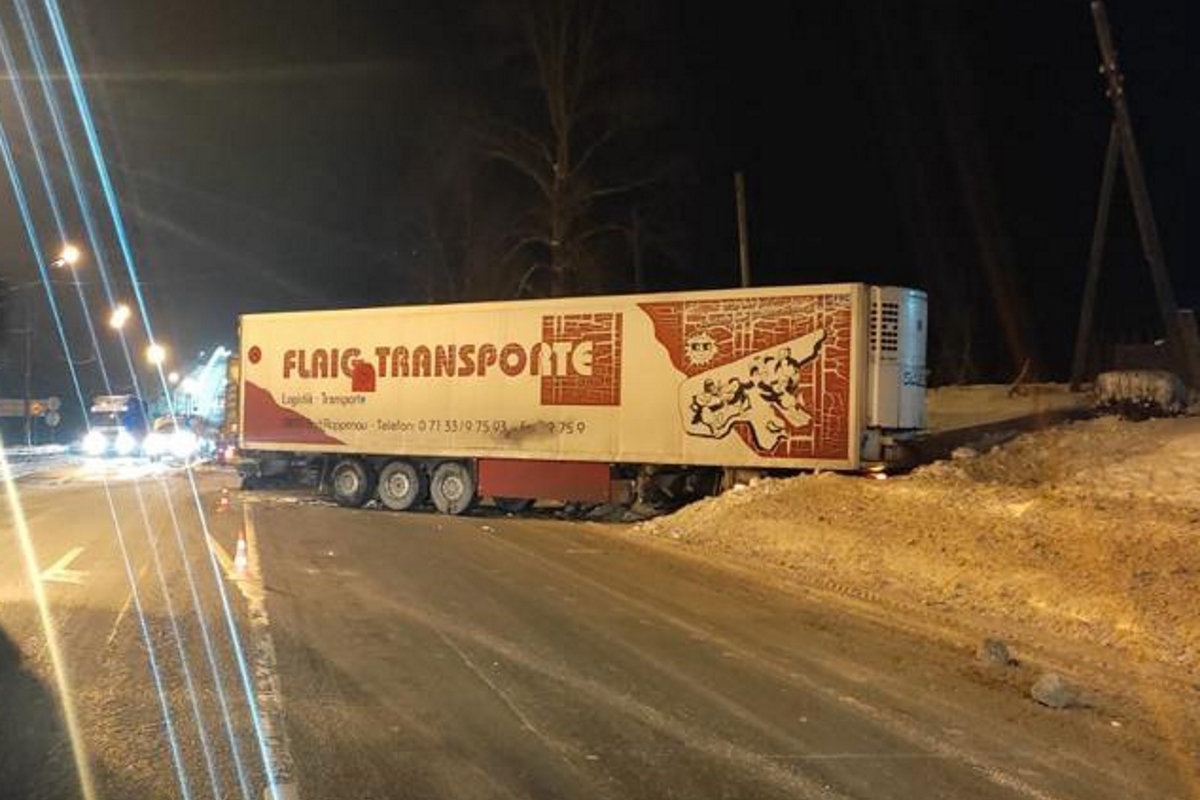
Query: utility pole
739	187
1183	349
635	228
1095	257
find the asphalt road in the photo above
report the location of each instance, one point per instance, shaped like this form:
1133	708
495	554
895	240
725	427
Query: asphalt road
419	656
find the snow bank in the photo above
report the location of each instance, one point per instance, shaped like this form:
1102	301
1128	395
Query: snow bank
36	450
953	407
1089	531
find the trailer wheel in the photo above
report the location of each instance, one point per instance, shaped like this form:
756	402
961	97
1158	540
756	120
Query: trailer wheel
513	505
352	481
402	485
452	487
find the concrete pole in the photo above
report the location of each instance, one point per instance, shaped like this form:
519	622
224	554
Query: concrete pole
739	186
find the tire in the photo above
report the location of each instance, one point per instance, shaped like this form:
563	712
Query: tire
452	487
513	505
402	485
353	482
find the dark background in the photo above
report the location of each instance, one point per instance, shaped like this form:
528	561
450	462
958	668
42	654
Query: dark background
275	155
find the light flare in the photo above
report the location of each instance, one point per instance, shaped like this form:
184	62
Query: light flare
77	747
85	775
189	683
122	239
33	573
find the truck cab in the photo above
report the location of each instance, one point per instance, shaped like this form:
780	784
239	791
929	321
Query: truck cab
117	426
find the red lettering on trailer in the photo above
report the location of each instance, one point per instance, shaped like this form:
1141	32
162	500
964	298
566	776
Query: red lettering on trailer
578	361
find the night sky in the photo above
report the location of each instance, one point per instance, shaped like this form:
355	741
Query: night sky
265	152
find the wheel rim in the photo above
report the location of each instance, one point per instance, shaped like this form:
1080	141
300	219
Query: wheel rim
347	482
398	484
452	488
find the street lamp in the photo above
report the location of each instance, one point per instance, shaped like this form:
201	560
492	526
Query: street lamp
68	257
188	388
120	315
173	378
156	354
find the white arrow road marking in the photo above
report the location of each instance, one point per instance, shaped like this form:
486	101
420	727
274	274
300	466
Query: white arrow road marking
58	572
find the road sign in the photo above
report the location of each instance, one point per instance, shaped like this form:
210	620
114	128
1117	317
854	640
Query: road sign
15	406
52	418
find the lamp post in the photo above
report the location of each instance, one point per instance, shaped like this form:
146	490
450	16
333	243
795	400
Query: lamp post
69	256
156	354
119	316
188	387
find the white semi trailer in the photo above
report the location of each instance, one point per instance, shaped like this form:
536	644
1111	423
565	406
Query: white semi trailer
589	399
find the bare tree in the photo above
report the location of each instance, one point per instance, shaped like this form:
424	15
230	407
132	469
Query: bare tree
562	140
454	222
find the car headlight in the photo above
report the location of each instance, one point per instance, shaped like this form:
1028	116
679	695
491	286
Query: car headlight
125	443
94	443
183	444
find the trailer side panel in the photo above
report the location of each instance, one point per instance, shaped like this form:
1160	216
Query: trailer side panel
740	378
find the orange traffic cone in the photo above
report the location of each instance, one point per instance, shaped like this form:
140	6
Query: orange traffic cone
239	557
223	503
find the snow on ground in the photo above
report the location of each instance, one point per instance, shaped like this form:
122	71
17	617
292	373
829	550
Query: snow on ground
1157	460
34	451
951	407
1088	532
60	468
24	461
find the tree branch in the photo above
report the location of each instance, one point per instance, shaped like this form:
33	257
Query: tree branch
607	191
591	149
598	230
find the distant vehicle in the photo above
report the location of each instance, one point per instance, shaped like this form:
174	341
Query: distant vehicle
117	426
587	399
171	438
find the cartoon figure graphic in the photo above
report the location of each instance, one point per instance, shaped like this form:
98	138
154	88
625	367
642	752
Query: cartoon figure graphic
762	390
705	404
715	408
